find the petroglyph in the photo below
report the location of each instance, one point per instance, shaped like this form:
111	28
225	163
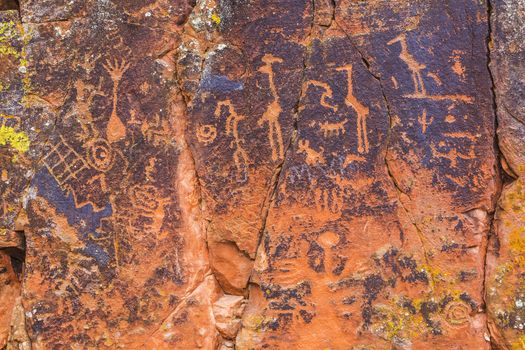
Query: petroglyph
333	129
313	157
157	132
115	130
64	163
327	93
232	129
85	93
413	65
329	199
416	69
273	111
424	121
100	155
206	133
361	110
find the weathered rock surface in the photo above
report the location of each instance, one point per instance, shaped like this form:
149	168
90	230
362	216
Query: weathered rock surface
224	174
505	261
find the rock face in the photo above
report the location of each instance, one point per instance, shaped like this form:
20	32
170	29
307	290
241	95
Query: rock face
222	174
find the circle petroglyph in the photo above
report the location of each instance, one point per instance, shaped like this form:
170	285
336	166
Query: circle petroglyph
100	155
206	133
457	313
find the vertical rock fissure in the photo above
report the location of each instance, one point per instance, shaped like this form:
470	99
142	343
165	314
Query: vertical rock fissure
389	172
276	177
498	156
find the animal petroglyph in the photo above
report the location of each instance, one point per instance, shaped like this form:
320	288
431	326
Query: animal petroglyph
416	69
232	129
327	93
413	65
116	130
272	112
312	156
333	129
361	110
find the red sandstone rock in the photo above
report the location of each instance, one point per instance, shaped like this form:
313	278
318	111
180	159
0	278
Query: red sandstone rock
263	174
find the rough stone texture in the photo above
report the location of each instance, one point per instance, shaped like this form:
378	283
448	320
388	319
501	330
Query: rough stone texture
222	174
505	261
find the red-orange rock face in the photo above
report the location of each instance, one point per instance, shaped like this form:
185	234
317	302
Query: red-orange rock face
261	175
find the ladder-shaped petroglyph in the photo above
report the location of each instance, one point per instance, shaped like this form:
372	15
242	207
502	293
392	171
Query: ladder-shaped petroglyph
333	129
232	129
116	130
64	163
273	110
416	70
327	93
361	110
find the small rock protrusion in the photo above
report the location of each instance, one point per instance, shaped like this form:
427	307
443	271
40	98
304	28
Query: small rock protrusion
228	311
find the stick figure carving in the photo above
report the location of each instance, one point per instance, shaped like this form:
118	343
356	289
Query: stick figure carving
232	129
271	115
361	110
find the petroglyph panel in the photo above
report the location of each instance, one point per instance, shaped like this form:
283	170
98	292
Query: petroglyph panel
241	125
220	174
384	192
110	225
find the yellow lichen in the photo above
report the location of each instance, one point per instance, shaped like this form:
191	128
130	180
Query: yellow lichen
17	140
519	344
215	18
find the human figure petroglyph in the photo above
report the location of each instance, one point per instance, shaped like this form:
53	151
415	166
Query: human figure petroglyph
327	93
424	121
361	110
413	65
333	129
271	115
116	129
312	156
85	93
232	129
